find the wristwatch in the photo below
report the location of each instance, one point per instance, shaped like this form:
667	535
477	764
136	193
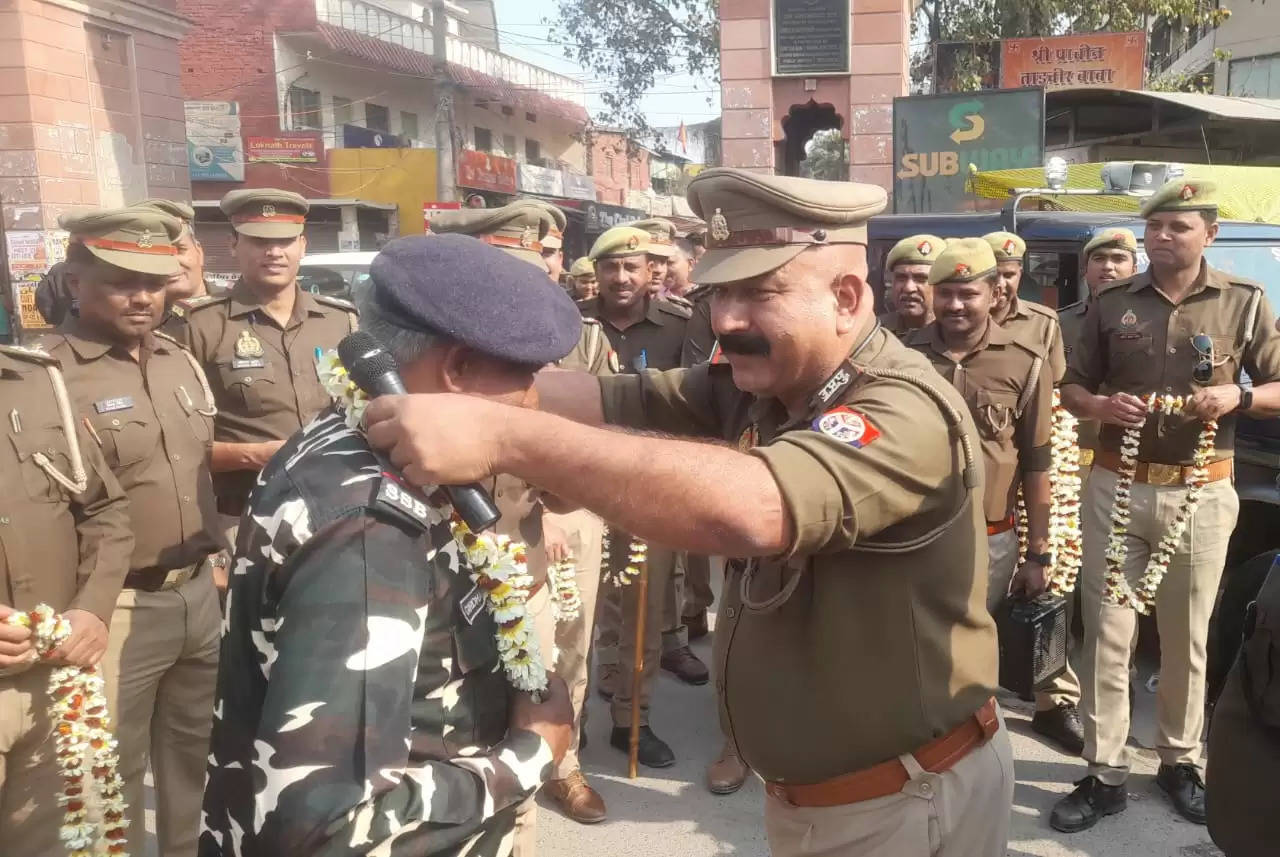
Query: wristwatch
1041	559
1246	398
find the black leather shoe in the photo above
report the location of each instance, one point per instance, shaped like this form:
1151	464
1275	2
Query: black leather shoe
1061	724
1185	788
685	665
1091	800
652	751
697	625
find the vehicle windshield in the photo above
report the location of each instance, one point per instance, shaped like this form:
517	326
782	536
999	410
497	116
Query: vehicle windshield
339	281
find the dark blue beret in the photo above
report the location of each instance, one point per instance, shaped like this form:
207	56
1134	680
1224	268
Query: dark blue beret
459	287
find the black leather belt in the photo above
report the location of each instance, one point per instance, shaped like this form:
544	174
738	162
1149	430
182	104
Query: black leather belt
233	506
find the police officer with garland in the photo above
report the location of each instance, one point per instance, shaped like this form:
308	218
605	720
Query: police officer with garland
1179	328
258	344
148	408
857	661
907	286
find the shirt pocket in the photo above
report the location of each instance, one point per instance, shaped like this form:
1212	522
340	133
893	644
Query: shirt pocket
50	443
126	439
254	392
995	414
200	425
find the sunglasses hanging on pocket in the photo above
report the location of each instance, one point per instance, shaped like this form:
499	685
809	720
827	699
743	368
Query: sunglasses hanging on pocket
1206	362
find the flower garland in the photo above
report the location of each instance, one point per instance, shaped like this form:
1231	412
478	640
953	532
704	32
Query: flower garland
83	742
498	565
638	550
1064	510
1117	590
566	600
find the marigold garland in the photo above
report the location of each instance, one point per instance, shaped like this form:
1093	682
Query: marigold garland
1064	504
83	743
1117	590
638	550
498	565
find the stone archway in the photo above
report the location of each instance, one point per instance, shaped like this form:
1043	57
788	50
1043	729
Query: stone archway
798	127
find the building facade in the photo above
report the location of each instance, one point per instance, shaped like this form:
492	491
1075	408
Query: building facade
1239	57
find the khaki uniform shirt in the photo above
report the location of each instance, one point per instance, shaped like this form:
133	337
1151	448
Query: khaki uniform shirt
699	337
593	354
1037	326
145	417
654	342
892	323
999	375
70	551
1071	321
1135	340
873	654
263	376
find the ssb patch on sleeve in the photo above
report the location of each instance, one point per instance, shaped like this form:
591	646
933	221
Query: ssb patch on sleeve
847	426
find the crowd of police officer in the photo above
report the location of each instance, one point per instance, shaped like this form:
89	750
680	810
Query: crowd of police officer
139	426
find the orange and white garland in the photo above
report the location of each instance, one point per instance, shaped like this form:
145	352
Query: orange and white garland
1117	590
1064	504
566	600
84	747
638	551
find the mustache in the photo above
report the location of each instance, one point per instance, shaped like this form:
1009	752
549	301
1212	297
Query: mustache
741	343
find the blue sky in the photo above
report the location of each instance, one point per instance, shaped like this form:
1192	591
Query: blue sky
523	34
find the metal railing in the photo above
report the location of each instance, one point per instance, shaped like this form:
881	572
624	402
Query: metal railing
381	21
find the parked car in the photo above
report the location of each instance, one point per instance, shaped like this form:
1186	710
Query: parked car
339	275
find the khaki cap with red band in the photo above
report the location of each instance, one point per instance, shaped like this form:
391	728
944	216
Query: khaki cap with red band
264	212
1006	246
1182	195
662	235
172	207
517	228
962	261
758	223
620	242
1119	238
136	238
915	250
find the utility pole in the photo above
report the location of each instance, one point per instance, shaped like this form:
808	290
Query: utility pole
446	176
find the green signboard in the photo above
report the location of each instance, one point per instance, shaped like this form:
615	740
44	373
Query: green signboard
937	137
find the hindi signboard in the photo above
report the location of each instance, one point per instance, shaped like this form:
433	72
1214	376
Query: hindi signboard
810	37
431	209
1113	60
937	137
483	171
283	150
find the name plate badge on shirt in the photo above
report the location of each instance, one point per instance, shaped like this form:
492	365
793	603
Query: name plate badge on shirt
257	363
119	403
471	604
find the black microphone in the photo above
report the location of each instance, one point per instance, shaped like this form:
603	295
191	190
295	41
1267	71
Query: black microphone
375	371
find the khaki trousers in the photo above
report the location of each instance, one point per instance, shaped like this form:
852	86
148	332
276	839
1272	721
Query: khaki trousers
687	594
963	812
573	639
544	630
661	564
1183	605
29	778
1002	551
160	671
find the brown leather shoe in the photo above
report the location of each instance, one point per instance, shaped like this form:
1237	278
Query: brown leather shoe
607	680
697	625
726	774
686	666
576	798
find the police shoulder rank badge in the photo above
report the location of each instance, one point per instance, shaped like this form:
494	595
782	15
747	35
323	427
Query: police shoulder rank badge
847	426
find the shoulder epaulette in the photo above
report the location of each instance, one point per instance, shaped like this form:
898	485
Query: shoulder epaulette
193	304
340	303
1039	309
1246	283
29	355
679	301
1115	284
160	334
678	310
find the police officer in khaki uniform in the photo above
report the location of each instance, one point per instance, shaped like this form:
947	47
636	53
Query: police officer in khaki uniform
856	659
907	287
258	343
583	274
553	241
662	240
1179	328
1109	256
66	540
189	281
147	406
1032	322
1008	388
519	229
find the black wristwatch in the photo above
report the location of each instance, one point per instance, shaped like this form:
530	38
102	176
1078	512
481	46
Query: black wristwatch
1041	559
1246	398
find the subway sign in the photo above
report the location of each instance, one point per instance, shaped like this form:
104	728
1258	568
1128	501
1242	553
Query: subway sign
937	137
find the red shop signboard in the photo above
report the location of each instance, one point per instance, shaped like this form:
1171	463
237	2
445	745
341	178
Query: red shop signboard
483	171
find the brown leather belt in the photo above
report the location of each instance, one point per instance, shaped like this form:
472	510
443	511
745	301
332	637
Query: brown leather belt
232	506
995	528
886	778
157	580
1154	473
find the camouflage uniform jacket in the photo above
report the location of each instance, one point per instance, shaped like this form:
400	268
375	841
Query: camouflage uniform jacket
361	707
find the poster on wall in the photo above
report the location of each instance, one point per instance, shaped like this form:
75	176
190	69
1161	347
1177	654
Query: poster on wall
1113	60
31	252
937	137
215	152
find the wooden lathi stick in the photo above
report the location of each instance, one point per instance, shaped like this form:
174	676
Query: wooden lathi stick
637	669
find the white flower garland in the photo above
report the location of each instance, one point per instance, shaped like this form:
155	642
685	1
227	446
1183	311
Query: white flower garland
498	565
84	745
1117	590
566	600
1064	543
638	551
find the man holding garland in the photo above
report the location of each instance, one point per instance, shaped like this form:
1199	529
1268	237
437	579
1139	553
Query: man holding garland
1167	346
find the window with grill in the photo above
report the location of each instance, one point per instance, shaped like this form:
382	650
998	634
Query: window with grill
377	117
304	108
484	139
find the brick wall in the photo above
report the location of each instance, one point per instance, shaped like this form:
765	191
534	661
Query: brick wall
614	172
229	55
90	112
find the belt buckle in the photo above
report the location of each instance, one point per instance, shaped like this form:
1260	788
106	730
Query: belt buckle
1164	474
1086	457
